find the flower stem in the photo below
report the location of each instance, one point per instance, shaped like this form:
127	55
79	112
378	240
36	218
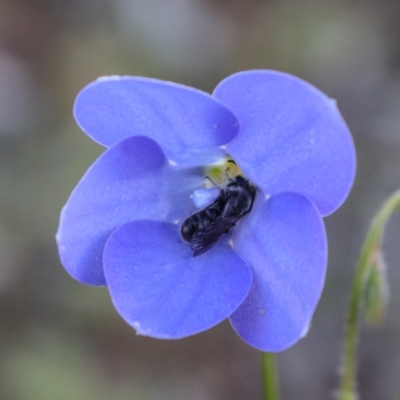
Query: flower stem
369	250
270	377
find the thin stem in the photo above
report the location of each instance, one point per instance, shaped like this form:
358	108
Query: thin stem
270	377
371	246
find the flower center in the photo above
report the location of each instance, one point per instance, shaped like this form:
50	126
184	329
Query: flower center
228	197
223	172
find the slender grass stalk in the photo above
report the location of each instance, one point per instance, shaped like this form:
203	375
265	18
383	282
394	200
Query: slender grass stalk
270	377
369	252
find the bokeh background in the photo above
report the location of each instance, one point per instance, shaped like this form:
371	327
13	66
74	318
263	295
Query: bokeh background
62	340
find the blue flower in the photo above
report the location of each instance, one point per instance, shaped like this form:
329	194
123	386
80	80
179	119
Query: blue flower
120	226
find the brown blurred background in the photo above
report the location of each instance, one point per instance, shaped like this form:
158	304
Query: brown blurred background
62	340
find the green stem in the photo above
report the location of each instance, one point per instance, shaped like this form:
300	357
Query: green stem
270	377
372	243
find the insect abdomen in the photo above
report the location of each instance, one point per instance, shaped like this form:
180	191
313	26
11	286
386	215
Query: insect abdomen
202	218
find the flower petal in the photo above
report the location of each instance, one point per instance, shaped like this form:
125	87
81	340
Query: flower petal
187	123
292	137
284	242
125	183
161	290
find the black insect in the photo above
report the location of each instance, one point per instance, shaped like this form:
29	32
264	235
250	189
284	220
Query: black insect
204	228
203	218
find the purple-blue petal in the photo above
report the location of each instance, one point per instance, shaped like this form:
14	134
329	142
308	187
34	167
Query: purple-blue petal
186	122
161	290
125	183
284	242
292	137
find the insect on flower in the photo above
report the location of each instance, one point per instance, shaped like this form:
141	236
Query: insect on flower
127	224
204	228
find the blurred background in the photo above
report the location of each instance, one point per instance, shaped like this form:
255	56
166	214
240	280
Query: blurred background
63	340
